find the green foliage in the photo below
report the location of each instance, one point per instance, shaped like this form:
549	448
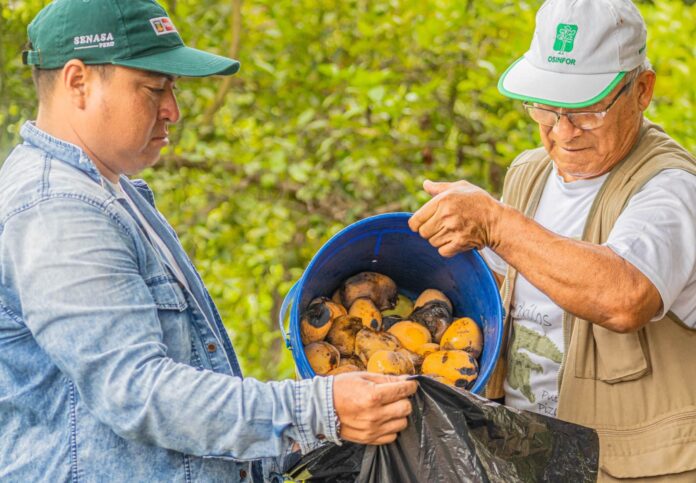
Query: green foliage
340	111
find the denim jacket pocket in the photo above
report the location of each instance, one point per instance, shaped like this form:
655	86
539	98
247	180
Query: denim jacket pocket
172	305
167	294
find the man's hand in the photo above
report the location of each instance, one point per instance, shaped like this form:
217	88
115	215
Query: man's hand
460	217
372	408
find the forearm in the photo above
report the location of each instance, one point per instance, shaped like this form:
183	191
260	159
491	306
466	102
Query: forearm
207	414
585	279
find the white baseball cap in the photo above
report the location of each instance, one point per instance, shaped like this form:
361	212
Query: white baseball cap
580	51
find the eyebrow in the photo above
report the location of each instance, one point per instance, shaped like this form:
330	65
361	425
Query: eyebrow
158	75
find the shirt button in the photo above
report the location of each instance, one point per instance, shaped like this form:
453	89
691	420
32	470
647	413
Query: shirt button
242	474
212	347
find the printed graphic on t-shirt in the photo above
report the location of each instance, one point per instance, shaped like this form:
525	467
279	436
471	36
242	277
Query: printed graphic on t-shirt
524	342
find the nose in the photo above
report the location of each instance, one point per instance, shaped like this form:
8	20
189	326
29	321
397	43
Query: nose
169	107
564	129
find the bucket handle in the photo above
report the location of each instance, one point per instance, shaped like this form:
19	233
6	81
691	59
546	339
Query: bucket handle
287	301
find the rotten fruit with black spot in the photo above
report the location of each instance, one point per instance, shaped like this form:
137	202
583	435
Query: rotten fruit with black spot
390	362
366	310
369	341
323	357
463	334
316	321
459	368
375	286
343	332
435	315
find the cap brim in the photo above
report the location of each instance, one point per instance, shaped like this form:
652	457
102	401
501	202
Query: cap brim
526	82
183	62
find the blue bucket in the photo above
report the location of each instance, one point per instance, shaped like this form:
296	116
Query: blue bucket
385	244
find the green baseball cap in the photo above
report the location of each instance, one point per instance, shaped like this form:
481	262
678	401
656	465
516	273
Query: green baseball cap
130	33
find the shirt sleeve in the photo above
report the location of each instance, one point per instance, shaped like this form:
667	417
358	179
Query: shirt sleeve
656	233
75	269
494	262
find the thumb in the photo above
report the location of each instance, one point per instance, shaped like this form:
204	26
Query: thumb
434	188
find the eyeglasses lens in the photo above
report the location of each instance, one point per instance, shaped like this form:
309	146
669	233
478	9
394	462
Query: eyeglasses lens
582	120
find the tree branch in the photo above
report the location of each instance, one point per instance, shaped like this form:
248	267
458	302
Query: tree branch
228	81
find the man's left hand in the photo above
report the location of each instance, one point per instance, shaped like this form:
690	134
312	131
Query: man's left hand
459	217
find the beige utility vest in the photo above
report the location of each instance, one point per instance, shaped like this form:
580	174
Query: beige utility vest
638	390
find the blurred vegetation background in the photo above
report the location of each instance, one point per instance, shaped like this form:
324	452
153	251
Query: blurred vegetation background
340	111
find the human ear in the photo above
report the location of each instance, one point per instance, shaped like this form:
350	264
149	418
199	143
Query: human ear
645	84
75	78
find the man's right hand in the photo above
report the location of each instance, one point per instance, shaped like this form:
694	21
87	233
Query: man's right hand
372	408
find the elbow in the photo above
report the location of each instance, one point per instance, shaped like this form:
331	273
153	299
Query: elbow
633	315
633	306
625	324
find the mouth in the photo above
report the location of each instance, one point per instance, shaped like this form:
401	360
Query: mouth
161	139
572	150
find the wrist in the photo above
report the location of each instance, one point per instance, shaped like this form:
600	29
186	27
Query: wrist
496	223
335	428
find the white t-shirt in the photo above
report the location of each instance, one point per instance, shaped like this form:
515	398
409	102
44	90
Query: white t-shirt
656	233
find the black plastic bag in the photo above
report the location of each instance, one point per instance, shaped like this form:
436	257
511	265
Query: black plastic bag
456	436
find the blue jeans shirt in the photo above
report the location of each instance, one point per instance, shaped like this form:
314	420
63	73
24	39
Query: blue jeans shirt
111	370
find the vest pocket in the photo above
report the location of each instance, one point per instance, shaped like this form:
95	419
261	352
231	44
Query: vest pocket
609	356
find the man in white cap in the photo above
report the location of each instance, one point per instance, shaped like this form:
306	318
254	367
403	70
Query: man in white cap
594	243
114	363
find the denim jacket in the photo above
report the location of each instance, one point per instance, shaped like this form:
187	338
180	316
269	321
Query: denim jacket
111	370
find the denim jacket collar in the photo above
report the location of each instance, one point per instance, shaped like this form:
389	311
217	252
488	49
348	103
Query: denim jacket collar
63	150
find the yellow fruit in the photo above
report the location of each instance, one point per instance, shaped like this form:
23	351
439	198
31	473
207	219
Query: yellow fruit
430	295
426	349
390	362
411	335
441	379
342	333
463	334
342	369
368	313
459	367
375	286
367	342
403	307
322	356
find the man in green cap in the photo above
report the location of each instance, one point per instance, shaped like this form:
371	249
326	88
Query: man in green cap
594	243
114	363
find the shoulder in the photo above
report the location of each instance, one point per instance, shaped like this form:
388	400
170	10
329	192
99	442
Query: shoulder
31	177
657	145
674	183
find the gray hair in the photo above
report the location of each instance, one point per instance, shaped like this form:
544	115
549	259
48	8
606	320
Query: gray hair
633	74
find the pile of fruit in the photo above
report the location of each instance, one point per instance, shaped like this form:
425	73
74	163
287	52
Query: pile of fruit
368	325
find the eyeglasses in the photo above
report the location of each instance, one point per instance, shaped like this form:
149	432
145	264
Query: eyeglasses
583	120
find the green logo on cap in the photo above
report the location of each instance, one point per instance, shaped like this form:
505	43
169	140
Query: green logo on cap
565	37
